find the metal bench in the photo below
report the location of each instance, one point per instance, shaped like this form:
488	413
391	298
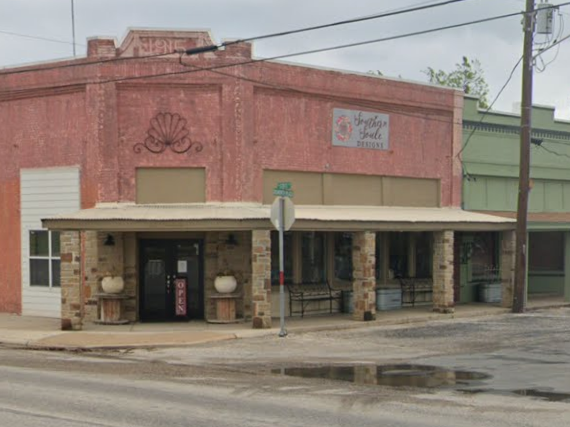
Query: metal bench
307	293
411	287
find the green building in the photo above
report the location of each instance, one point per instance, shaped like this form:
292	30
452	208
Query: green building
490	161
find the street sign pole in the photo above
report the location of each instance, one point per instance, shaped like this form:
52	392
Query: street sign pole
282	217
283	331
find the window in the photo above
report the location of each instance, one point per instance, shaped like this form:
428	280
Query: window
343	256
423	255
484	259
44	258
313	267
546	251
399	246
287	257
379	256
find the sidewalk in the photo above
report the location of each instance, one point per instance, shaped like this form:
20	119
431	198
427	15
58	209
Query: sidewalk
44	333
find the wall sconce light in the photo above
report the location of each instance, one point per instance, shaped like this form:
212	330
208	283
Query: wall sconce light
231	240
109	240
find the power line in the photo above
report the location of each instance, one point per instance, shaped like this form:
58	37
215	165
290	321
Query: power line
81	63
253	61
551	46
489	108
27	36
556	153
360	103
397	37
334	24
210	48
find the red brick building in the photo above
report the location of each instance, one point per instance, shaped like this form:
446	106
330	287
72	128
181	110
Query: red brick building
146	166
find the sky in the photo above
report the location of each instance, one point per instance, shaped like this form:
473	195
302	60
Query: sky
497	45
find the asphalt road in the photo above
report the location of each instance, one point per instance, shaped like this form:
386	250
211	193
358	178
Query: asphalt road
523	362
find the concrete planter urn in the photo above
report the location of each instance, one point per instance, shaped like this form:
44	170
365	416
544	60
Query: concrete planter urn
112	284
225	284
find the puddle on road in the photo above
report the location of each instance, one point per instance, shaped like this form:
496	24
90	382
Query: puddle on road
418	376
551	396
546	395
402	375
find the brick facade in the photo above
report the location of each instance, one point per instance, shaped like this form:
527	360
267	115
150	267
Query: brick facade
277	118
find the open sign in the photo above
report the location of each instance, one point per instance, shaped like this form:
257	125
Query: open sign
181	297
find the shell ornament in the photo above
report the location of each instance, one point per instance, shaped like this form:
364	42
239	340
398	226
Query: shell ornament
168	131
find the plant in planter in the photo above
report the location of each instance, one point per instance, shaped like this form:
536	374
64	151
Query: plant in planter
112	283
225	282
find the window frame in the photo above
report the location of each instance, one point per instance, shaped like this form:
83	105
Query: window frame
50	257
536	264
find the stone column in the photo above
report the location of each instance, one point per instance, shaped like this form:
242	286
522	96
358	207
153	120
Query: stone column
261	278
508	239
130	275
364	275
90	265
443	271
71	313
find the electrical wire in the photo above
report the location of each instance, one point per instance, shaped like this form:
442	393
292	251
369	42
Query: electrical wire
207	48
419	7
46	39
289	55
458	155
556	153
79	63
541	50
351	102
344	22
364	18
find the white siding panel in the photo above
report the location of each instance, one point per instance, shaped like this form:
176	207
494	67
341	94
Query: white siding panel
44	192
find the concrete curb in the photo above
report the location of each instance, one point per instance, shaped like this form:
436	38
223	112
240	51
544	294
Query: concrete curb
49	342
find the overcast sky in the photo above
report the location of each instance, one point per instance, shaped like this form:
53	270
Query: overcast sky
497	45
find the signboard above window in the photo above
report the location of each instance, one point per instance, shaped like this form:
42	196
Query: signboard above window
360	129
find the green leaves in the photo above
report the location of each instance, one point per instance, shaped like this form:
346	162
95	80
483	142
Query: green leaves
467	75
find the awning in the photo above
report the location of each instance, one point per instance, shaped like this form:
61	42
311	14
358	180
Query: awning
539	221
251	216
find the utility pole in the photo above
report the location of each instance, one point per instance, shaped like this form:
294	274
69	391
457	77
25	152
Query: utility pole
73	25
521	247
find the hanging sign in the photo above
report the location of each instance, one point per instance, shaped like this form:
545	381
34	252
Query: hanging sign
360	129
181	300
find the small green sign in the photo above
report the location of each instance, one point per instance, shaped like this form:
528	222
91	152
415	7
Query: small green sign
283	186
283	189
282	193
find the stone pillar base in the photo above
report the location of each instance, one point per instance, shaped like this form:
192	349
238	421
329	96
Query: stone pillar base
261	278
508	240
364	275
444	310
443	272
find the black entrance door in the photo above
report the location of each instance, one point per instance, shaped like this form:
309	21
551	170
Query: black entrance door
171	278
